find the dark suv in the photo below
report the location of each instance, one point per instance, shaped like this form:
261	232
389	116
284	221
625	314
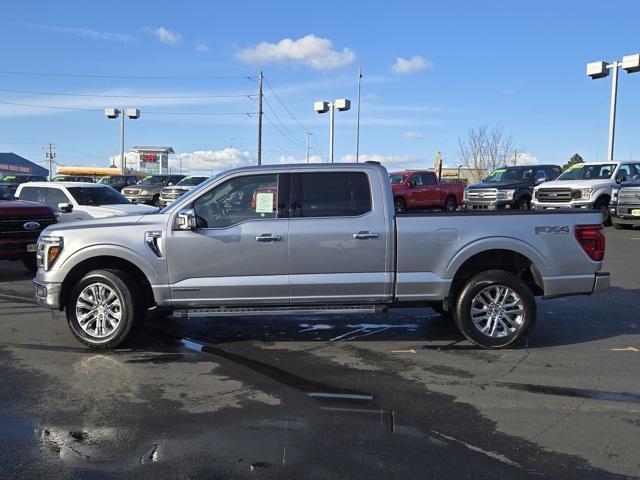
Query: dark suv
508	187
118	181
11	182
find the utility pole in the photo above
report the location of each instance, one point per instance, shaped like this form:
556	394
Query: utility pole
260	120
358	117
307	145
50	155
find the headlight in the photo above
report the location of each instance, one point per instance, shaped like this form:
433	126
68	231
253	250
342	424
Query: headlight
505	194
48	251
614	194
585	193
145	192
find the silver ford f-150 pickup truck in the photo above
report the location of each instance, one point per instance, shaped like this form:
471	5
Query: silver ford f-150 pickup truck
315	238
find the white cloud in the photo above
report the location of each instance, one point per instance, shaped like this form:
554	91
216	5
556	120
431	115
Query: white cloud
528	159
414	136
167	36
201	47
212	160
292	159
315	52
405	66
86	33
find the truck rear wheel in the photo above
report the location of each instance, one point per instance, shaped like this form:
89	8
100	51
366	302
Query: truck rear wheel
450	204
103	310
495	309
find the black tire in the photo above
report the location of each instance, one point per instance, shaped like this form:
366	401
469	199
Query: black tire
156	201
470	293
603	206
131	309
523	204
450	204
621	226
399	205
30	263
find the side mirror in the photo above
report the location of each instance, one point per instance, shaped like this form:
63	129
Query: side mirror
170	184
540	178
65	207
410	184
621	178
186	219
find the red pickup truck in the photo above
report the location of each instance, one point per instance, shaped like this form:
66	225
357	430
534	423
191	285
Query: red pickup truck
422	189
20	225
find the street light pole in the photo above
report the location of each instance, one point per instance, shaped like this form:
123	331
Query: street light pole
132	113
331	124
600	69
612	110
123	162
342	105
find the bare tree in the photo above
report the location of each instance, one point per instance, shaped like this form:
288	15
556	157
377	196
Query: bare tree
485	150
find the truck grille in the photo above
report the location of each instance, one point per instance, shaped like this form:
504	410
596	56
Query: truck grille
14	227
172	193
629	195
482	195
131	191
554	195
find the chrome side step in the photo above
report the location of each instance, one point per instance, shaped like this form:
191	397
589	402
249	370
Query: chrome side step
293	310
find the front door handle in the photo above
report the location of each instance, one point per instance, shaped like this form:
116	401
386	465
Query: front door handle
365	235
267	237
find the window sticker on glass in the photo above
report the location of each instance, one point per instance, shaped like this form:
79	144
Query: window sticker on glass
264	202
575	166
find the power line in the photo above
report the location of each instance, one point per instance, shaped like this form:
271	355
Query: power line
285	106
146	112
291	135
99	95
140	77
292	140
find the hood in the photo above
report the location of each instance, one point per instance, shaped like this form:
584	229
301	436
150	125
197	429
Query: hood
598	182
499	185
119	210
155	222
22	208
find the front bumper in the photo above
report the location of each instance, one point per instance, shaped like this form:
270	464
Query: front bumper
47	294
494	205
556	206
624	214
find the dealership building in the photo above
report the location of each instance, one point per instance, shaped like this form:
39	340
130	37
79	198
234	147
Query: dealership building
145	160
12	164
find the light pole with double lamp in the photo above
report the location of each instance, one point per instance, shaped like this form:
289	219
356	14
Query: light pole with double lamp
341	104
132	113
600	69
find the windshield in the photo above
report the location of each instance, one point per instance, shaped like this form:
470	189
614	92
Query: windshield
510	174
111	180
584	171
397	178
96	196
152	180
190	181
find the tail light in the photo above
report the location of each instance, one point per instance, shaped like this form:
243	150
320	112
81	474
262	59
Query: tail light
591	240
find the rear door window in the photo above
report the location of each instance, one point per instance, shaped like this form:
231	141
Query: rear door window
428	179
32	194
335	194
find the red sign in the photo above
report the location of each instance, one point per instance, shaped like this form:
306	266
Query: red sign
149	157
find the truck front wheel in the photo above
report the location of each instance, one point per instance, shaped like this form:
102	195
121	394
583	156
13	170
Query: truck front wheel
102	310
495	309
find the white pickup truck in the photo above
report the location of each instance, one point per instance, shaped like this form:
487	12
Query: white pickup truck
585	186
315	238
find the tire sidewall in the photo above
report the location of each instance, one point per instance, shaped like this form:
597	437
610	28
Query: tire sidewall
451	201
473	287
123	289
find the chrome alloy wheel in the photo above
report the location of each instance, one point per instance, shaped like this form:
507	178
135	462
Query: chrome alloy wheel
98	310
497	311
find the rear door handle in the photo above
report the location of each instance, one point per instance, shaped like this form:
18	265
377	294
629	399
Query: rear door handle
267	237
365	235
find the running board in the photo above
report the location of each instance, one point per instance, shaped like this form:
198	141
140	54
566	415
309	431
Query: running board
301	310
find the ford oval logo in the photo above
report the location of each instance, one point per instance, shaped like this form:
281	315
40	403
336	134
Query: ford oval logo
31	226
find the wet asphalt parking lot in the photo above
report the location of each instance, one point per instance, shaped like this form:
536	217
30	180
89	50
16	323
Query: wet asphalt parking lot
396	395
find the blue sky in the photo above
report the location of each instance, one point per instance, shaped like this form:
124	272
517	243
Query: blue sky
516	65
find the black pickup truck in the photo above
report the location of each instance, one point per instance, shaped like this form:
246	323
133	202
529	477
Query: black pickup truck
508	187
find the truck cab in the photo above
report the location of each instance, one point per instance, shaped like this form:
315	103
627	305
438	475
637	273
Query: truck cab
508	187
625	200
